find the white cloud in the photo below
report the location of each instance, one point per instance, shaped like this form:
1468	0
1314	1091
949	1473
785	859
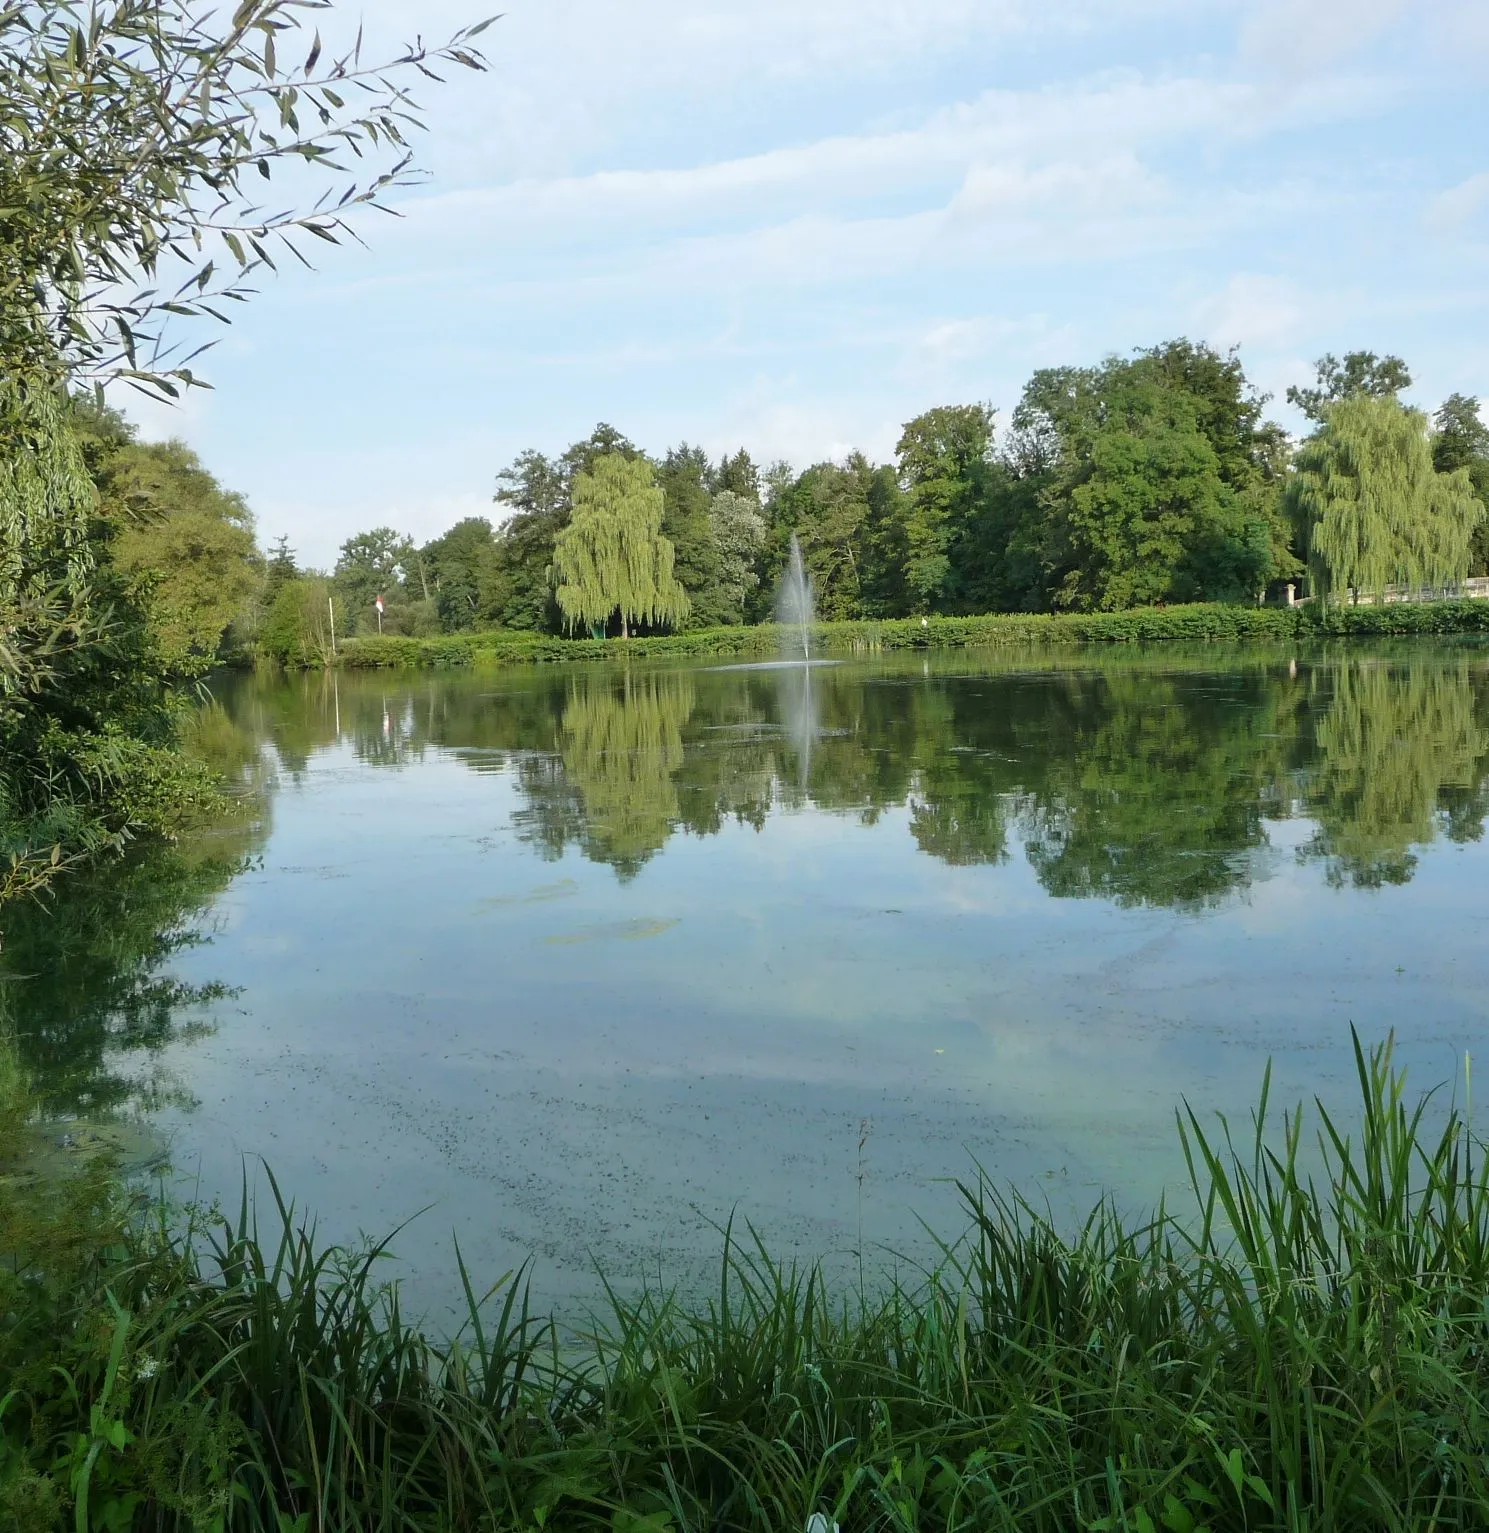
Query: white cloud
1461	203
793	224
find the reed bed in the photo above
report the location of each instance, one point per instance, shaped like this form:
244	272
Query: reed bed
1303	1349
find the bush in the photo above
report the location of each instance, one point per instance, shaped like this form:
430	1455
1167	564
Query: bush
1207	622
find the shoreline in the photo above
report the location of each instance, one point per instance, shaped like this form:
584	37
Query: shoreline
1198	623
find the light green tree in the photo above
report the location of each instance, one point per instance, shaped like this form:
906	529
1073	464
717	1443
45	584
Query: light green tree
738	531
186	546
612	557
1370	507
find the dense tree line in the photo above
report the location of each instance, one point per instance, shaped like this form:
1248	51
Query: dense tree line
1149	479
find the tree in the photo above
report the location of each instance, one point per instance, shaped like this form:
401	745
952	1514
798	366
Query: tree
279	569
1372	510
300	627
683	477
612	557
517	591
1361	372
943	457
456	563
737	475
372	564
1150	479
738	531
833	509
186	546
128	129
1462	441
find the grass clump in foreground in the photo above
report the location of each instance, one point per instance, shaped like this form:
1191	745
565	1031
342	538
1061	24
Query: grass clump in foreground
1299	1353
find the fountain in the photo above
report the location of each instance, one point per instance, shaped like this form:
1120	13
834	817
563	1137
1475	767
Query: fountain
794	599
795	615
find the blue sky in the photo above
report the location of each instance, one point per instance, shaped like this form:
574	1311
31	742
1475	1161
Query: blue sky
793	224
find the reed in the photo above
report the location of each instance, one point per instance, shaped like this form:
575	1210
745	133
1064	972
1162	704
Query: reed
1306	1348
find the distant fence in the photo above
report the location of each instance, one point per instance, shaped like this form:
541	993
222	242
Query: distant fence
1476	588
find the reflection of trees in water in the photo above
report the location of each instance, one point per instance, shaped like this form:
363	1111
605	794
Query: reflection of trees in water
1403	756
1140	781
85	981
1162	794
621	746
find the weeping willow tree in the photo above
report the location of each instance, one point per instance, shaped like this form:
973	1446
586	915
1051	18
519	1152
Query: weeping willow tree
1371	508
54	630
612	557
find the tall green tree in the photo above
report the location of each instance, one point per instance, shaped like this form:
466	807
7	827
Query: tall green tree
1461	440
455	564
187	548
1371	508
1145	479
134	135
280	567
517	590
737	527
833	509
944	457
373	564
684	476
612	559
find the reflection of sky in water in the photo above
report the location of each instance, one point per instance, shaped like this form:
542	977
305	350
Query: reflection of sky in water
563	1056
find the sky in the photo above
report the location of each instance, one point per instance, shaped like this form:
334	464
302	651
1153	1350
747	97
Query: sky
793	225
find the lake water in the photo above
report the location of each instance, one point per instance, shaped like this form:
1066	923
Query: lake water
578	962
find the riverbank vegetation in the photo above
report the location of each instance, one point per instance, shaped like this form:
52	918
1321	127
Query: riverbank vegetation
1301	1346
135	140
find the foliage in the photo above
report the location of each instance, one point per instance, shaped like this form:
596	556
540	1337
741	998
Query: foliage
1203	623
370	565
737	528
1361	373
1461	440
1153	480
1302	1350
683	477
456	564
302	625
612	557
135	130
127	136
1372	510
185	547
944	456
85	724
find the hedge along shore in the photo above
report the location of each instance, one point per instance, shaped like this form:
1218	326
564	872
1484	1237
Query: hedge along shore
1204	622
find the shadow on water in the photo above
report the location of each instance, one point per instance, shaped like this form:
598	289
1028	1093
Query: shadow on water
88	988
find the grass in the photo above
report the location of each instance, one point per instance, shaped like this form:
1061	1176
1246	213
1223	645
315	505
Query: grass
1204	622
1299	1351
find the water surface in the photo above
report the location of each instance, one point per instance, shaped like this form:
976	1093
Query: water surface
581	961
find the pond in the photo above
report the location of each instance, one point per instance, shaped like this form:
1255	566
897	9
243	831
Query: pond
577	964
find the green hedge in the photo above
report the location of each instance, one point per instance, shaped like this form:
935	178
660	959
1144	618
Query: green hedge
1398	617
1199	623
